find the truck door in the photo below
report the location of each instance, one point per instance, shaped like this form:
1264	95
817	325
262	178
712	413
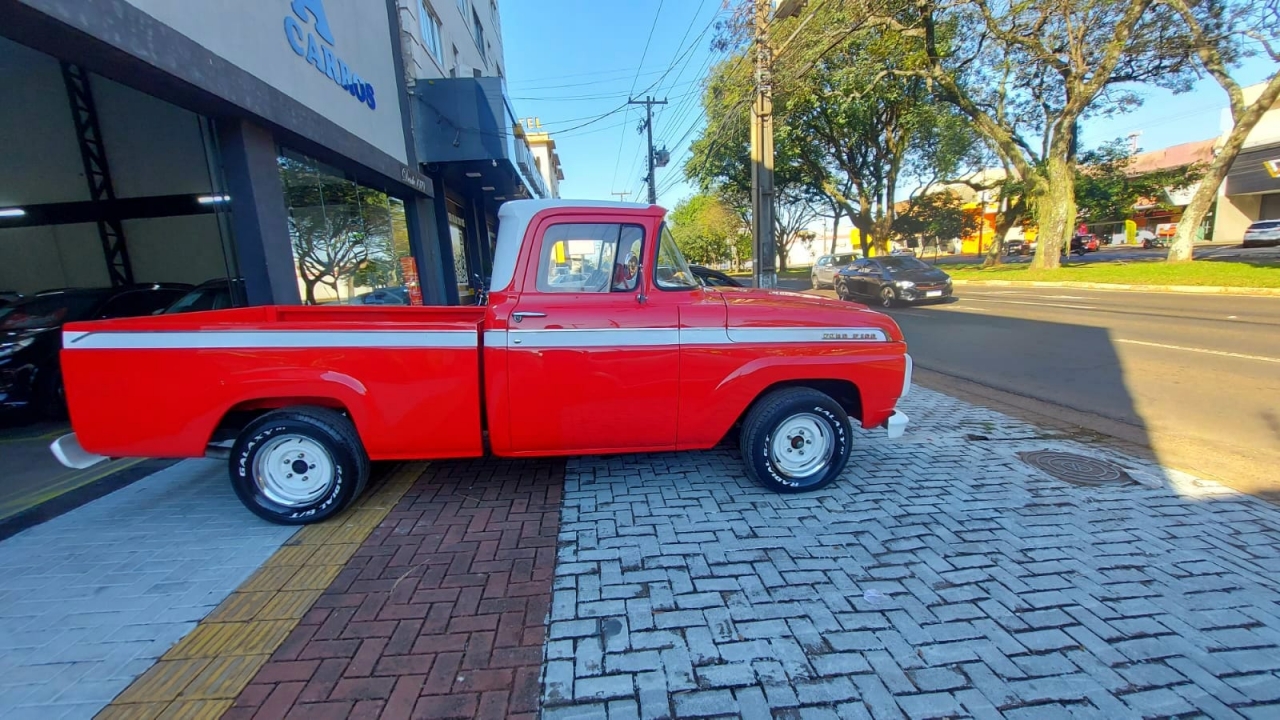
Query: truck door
590	367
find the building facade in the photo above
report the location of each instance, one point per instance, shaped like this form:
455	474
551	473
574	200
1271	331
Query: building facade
149	140
319	151
466	135
545	156
1252	188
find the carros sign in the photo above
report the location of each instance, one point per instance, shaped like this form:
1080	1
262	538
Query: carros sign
334	57
301	30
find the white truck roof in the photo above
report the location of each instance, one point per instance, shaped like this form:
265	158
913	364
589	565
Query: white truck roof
515	215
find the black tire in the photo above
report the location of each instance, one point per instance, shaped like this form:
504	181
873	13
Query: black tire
326	429
888	296
768	416
842	290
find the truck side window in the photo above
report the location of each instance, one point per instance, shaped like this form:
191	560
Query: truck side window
672	272
589	258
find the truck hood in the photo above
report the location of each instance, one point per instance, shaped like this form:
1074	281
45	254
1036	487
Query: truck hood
751	308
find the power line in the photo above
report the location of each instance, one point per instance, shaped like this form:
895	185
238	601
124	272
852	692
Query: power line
680	58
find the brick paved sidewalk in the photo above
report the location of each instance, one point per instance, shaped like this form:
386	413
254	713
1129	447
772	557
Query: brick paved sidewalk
439	614
941	577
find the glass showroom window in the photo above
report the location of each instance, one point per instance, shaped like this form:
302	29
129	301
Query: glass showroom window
350	242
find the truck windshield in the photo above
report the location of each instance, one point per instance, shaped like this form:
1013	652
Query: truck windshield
672	272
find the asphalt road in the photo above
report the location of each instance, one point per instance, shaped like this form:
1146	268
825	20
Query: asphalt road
1197	377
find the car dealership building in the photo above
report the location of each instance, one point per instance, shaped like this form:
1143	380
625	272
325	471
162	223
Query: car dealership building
269	140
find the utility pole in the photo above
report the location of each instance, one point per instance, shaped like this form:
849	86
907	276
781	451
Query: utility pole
765	267
622	196
648	104
765	246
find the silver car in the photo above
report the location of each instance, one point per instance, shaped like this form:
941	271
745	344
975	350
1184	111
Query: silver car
825	269
1262	232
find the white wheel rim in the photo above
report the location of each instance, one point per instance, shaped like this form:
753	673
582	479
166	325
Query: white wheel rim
802	446
293	470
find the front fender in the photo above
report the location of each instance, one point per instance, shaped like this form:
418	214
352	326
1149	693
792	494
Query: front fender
718	390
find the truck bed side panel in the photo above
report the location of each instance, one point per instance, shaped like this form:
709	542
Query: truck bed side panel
158	387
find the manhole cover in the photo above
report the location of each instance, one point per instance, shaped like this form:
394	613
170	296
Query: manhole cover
1077	469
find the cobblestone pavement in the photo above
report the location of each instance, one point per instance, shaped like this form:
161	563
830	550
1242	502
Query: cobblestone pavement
440	613
941	577
90	599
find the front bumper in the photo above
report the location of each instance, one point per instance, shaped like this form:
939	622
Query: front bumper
917	294
896	425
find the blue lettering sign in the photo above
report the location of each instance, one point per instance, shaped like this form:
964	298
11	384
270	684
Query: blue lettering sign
313	53
293	33
323	57
314	8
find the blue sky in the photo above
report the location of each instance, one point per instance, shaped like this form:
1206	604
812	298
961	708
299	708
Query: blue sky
571	61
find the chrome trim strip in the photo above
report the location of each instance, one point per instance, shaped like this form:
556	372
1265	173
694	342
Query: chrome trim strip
806	335
266	339
603	337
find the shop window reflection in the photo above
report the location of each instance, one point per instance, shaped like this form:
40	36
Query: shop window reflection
350	242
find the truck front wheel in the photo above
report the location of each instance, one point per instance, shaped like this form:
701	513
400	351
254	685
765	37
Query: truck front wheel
298	465
795	440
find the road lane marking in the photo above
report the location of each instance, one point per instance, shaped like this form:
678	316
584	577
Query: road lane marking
1206	351
1024	302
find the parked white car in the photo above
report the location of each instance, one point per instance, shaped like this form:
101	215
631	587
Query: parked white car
827	267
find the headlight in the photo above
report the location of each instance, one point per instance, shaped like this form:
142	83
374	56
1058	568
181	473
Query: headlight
8	349
904	284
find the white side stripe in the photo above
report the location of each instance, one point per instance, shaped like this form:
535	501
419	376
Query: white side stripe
229	339
610	337
663	337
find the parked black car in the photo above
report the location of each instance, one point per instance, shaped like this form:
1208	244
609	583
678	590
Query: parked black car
888	281
713	278
210	295
30	337
384	296
1016	247
8	298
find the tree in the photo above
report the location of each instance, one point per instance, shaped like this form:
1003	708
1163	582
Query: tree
1222	35
793	213
1108	189
862	120
846	135
934	218
705	227
1027	73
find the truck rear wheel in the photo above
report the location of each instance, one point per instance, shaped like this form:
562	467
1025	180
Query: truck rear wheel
299	465
795	440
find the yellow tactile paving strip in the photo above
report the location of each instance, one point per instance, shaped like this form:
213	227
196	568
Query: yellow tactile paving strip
201	676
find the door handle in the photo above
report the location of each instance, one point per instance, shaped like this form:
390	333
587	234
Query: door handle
518	316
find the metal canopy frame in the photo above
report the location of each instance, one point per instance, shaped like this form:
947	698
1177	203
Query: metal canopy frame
93	153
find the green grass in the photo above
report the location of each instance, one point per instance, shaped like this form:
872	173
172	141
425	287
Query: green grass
1204	272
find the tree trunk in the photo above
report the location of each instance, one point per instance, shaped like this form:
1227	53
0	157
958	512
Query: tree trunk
995	252
1193	216
1184	239
835	231
1054	210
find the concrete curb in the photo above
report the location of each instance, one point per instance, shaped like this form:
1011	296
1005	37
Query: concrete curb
1190	289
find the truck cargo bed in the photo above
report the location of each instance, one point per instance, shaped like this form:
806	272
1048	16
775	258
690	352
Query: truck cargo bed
160	386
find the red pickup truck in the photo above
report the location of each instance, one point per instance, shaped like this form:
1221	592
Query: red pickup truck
595	338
